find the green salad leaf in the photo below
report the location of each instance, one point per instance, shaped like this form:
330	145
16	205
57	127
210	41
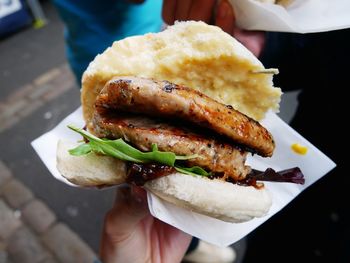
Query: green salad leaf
194	170
82	149
121	150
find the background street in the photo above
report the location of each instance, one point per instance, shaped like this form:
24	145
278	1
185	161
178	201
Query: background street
37	91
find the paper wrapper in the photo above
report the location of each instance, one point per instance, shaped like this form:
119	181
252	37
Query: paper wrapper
300	16
212	230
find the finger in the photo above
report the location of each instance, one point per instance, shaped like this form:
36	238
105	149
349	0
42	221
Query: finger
225	17
202	10
168	11
129	209
182	10
174	240
253	40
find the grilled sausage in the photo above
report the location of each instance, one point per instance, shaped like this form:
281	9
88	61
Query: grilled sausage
161	98
142	132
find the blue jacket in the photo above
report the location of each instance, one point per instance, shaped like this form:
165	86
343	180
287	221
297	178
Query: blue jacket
92	26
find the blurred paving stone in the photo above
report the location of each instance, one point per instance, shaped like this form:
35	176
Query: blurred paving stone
38	216
30	97
47	76
8	221
50	260
20	93
5	174
16	194
8	122
40	90
53	93
67	246
14	107
3	253
31	107
24	247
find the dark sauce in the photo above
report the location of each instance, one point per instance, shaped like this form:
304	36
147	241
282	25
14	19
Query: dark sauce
139	174
85	139
254	178
292	175
250	182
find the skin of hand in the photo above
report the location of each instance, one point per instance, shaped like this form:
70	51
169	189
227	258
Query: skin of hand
131	234
213	12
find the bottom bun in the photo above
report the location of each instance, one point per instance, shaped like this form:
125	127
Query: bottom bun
225	201
89	170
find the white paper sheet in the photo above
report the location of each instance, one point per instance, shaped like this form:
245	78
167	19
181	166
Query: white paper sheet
301	16
212	230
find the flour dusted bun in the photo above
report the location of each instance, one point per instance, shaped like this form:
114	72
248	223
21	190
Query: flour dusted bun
89	170
215	198
192	54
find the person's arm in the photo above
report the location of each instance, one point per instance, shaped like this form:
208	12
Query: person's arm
211	12
132	234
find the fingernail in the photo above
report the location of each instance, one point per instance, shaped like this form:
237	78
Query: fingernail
139	194
138	199
223	8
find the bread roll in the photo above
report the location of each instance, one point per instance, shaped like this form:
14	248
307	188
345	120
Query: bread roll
89	170
192	54
215	198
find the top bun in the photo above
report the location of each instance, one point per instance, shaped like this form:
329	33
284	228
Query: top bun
192	54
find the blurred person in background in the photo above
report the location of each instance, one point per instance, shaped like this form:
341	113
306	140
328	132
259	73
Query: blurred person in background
91	26
315	226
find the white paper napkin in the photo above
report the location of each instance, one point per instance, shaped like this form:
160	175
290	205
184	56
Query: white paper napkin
301	16
209	229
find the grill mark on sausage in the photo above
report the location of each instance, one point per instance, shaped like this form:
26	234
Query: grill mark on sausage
167	100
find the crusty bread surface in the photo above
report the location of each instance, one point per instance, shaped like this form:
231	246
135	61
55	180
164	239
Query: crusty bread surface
89	170
215	198
192	54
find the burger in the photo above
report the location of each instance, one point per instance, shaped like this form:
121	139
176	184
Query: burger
177	113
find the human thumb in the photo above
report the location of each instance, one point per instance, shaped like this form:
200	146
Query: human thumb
225	18
129	208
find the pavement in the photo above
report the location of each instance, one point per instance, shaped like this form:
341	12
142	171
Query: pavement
41	219
30	231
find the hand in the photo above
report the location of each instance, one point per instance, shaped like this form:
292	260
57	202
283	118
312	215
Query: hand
221	14
131	234
225	18
183	10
